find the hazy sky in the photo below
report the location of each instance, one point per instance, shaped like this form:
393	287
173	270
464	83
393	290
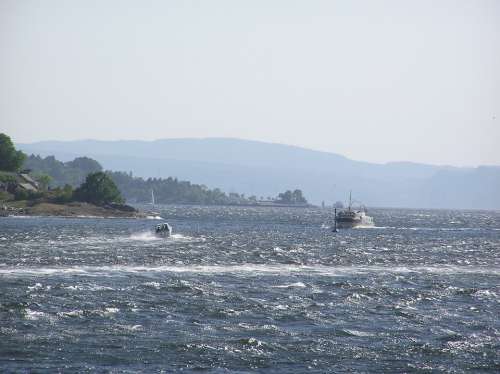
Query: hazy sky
372	80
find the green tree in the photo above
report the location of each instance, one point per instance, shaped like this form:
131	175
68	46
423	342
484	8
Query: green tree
10	159
63	195
43	180
298	198
71	172
85	164
99	189
285	197
289	197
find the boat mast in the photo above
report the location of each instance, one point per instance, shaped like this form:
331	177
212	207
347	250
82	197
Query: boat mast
152	197
335	221
350	192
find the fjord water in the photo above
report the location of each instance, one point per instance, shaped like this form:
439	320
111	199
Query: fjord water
251	289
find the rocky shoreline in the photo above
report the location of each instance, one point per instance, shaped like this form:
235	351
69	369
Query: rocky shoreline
73	209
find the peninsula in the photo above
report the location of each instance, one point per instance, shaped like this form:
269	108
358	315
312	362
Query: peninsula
22	193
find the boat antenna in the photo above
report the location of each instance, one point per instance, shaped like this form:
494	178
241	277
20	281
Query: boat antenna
350	202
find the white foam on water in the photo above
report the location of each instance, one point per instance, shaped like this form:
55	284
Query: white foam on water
108	311
423	228
145	236
155	285
486	294
154	217
181	237
130	327
358	333
246	268
291	285
72	313
33	315
35	287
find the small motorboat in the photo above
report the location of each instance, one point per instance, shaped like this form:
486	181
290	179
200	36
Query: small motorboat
163	229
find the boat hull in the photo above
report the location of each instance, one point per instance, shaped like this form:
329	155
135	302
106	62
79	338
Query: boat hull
351	225
351	219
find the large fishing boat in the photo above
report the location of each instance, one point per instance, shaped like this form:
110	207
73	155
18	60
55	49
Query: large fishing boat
351	217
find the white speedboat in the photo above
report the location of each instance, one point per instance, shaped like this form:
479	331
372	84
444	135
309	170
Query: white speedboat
163	230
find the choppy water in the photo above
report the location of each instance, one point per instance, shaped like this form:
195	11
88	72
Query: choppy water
251	289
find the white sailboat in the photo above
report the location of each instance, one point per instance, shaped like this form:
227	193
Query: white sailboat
153	213
164	229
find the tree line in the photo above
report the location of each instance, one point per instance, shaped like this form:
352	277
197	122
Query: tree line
63	177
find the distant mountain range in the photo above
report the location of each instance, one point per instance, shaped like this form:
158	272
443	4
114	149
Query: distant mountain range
265	169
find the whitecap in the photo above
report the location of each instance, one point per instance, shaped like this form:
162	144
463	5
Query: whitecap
131	327
72	313
357	332
111	311
280	307
180	237
33	315
485	294
154	217
291	285
145	236
35	287
155	285
248	268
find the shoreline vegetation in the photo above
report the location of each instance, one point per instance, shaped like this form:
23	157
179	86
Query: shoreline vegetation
36	186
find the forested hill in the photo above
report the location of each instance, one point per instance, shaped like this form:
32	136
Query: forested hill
133	189
62	173
172	191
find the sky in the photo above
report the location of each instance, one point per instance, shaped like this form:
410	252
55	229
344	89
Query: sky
372	80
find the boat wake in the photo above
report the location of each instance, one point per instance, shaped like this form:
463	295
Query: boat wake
180	237
145	236
149	236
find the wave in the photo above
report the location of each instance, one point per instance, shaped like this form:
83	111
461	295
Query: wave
425	228
154	217
180	237
145	236
246	268
148	236
21	216
291	285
